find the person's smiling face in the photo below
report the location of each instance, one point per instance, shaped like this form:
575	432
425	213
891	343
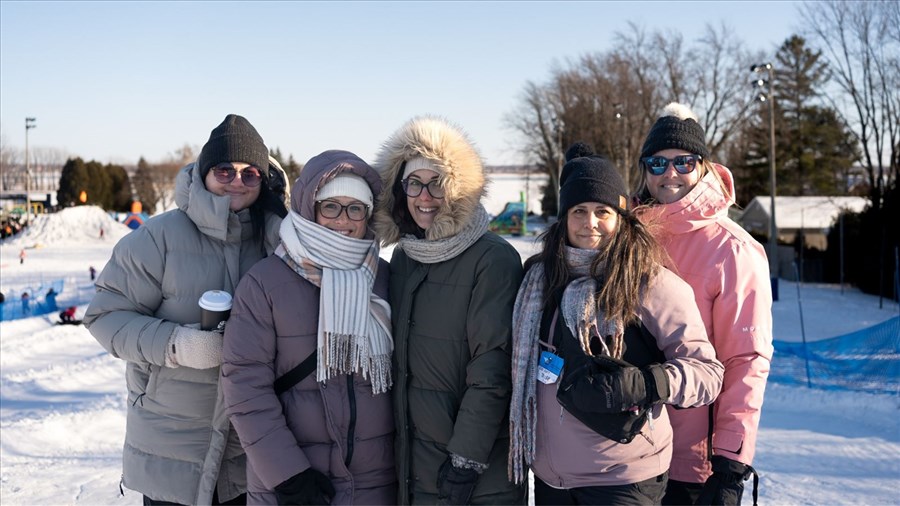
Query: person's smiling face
242	195
342	223
671	185
424	206
590	224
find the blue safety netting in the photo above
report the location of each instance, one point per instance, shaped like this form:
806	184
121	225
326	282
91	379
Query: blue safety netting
865	360
40	301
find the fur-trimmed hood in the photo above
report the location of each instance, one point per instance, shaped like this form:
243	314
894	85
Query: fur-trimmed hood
463	180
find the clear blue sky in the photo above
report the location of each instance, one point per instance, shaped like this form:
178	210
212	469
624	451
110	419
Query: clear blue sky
113	81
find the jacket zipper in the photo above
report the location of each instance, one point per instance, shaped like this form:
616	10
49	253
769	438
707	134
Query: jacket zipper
351	427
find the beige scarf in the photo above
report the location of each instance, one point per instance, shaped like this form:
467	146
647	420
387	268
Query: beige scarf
354	334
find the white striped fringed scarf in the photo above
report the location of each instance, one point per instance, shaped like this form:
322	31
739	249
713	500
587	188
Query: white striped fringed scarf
354	333
581	319
440	250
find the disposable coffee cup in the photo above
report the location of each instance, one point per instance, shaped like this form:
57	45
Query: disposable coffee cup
215	307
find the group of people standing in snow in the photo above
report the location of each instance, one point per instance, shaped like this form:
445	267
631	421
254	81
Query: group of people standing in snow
625	363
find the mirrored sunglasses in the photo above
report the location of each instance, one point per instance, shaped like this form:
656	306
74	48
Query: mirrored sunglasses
356	211
225	173
657	165
413	188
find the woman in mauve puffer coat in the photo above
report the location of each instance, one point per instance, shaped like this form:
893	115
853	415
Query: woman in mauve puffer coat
328	438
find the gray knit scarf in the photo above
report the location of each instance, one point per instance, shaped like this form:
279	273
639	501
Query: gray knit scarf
354	333
432	252
580	316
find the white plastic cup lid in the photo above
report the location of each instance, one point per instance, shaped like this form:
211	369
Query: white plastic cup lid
215	300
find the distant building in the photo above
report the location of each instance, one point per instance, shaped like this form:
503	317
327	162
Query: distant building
814	215
513	183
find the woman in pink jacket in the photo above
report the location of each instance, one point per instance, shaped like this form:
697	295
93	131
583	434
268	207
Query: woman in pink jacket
688	199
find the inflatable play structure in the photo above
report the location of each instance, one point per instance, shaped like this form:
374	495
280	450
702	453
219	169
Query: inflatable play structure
511	221
136	217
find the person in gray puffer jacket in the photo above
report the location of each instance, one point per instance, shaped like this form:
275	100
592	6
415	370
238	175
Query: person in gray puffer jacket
178	444
317	303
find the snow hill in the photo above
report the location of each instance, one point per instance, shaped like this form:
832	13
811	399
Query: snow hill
71	226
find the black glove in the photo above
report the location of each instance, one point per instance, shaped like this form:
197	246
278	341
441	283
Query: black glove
726	485
455	485
308	487
624	386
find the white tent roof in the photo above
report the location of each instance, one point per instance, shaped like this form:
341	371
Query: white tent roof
807	212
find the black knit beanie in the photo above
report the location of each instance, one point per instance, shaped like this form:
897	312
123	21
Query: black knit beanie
235	140
580	148
677	128
591	179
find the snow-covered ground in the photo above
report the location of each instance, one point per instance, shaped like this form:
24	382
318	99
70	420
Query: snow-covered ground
62	399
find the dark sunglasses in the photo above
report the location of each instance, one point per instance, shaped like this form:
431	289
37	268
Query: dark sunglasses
225	173
413	188
356	211
657	165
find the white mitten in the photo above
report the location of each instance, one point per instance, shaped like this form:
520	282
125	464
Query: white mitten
194	348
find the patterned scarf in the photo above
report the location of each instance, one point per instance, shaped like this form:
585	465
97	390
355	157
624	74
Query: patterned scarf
580	316
354	324
432	252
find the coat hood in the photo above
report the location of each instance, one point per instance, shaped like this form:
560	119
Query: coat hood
211	212
321	169
449	148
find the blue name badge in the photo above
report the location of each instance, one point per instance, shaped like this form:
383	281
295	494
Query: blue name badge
549	367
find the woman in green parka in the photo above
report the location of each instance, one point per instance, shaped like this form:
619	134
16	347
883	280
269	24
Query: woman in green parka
453	285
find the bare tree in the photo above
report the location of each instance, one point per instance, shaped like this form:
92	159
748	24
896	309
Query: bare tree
11	164
46	167
611	99
723	97
861	43
539	127
711	76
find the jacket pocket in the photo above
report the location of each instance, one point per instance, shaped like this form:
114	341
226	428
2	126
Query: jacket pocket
152	381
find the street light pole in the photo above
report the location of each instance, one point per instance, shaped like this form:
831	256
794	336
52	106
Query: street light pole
29	124
769	96
558	123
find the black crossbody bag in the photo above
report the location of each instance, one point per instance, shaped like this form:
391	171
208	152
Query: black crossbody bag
296	375
580	367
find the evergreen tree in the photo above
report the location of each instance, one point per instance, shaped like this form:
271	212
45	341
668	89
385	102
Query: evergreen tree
144	188
813	148
73	180
99	191
120	189
291	167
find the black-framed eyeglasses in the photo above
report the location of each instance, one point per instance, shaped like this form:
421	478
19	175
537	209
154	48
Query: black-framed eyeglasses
657	165
225	173
413	187
356	211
